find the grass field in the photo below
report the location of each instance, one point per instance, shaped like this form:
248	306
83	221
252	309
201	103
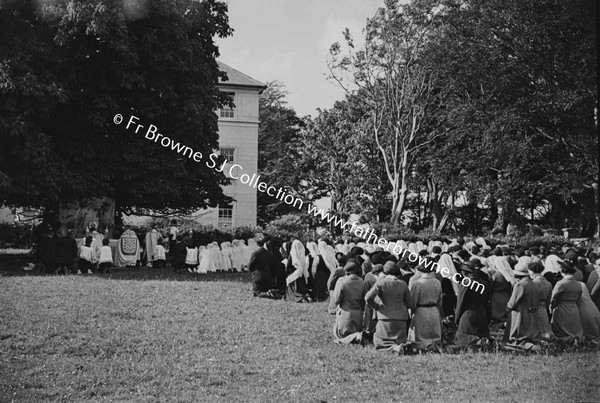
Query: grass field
146	335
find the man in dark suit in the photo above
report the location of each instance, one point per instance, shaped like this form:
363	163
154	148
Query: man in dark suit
261	267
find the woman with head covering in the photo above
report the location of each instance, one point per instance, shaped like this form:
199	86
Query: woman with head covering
502	280
252	245
552	269
449	287
544	295
334	277
226	255
236	255
522	324
589	314
318	271
348	298
390	298
473	307
426	323
297	271
212	253
203	259
279	275
593	284
566	320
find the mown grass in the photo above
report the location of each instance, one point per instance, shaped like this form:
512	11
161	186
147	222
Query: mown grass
92	338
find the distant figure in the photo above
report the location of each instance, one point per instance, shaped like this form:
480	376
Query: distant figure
106	259
348	298
473	309
159	254
191	257
390	298
566	321
522	323
179	252
261	267
66	252
86	256
173	233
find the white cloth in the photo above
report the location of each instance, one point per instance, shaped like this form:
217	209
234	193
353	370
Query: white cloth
299	260
128	249
212	253
87	253
328	254
203	260
502	266
191	256
106	254
96	244
237	255
159	253
152	237
313	249
551	264
446	261
226	255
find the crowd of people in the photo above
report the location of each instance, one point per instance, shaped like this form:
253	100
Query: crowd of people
536	294
384	296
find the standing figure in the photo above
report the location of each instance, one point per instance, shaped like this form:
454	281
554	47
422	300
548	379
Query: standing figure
390	298
349	301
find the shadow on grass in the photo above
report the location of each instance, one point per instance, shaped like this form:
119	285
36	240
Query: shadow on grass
12	266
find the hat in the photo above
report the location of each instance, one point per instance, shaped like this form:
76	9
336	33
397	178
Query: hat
464	255
475	263
521	269
376	258
485	253
391	268
455	248
426	267
467	267
377	268
536	267
475	250
436	249
352	268
567	265
534	250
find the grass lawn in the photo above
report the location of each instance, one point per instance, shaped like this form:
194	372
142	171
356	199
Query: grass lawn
148	335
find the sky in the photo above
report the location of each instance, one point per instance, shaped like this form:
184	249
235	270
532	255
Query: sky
289	40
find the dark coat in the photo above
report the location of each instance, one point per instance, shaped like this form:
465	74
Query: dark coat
66	250
473	309
261	267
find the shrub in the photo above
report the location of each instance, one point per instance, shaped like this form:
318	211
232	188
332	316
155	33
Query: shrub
18	236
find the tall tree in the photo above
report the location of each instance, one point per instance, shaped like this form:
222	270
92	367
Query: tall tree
278	133
396	86
68	67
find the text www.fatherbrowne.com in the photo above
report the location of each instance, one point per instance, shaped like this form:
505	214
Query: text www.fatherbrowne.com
233	171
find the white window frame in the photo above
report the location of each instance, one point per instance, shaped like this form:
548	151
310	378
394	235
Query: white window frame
228	222
228	112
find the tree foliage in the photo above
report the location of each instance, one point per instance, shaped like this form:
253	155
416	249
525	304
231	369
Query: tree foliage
67	67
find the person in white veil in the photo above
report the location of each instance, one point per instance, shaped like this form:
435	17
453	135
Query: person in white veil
552	269
237	257
203	259
226	255
211	258
252	246
502	280
217	256
449	286
297	271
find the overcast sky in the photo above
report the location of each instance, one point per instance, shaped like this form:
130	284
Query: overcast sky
288	40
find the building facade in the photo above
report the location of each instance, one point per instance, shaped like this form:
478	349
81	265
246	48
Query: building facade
238	141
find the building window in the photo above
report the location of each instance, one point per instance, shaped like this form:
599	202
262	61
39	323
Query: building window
225	217
228	112
228	153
